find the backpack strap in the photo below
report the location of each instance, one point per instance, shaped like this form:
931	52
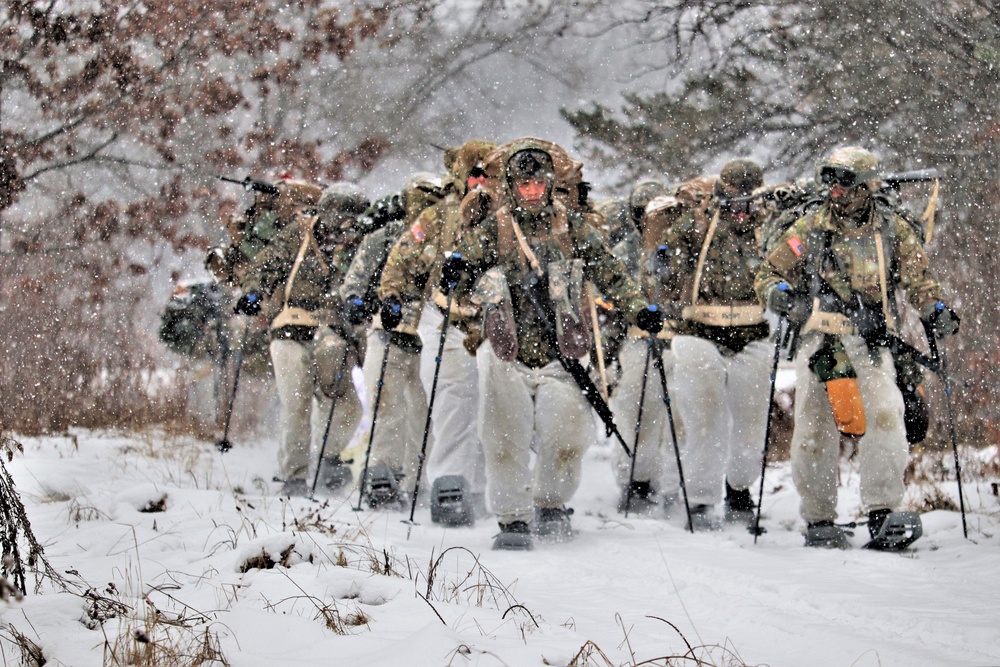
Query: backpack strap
701	257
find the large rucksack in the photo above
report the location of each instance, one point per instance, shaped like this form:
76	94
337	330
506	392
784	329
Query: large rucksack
191	322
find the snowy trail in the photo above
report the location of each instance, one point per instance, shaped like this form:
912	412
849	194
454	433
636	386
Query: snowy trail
774	603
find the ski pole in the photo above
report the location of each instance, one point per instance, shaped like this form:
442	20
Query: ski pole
224	445
430	405
329	418
938	353
638	426
658	362
371	432
756	529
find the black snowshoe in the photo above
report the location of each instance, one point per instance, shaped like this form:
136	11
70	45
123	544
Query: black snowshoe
335	474
552	524
451	504
514	536
383	488
740	508
827	535
893	531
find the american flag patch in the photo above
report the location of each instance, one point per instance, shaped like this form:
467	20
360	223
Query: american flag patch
417	231
796	245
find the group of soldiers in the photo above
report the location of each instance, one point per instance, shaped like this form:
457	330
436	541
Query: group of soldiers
496	310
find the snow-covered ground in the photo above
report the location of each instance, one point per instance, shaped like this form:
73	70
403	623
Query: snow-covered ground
623	592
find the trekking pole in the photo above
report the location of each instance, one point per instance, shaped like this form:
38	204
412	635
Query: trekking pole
430	407
329	418
756	529
938	354
224	445
658	362
638	425
371	432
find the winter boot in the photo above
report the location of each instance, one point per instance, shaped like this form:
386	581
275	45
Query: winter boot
383	488
552	524
335	474
704	518
294	488
643	500
826	535
739	506
514	536
893	531
450	501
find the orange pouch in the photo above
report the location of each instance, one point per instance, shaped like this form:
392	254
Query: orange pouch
848	410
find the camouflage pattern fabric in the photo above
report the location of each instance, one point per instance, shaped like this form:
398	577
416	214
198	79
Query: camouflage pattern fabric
830	361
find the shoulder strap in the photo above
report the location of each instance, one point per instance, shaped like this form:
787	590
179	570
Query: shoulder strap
307	240
701	257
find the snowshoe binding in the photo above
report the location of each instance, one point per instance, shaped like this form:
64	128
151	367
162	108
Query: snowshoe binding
335	474
513	536
552	524
383	488
827	535
450	501
893	531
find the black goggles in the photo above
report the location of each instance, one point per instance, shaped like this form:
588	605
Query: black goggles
745	205
844	176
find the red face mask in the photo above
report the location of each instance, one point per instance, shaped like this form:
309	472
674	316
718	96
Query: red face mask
532	193
473	182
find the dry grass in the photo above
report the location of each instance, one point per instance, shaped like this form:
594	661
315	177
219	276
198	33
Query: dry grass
155	640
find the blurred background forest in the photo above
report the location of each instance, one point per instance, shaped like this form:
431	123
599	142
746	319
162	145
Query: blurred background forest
115	116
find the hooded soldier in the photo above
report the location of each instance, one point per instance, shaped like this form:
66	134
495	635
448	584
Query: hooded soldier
530	258
834	273
720	359
299	271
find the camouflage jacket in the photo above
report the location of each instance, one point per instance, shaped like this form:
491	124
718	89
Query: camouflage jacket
731	260
853	263
485	247
323	267
365	273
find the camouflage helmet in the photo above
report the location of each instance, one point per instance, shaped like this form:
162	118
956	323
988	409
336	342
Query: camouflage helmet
569	183
849	166
530	163
294	195
422	190
461	161
343	197
642	193
739	178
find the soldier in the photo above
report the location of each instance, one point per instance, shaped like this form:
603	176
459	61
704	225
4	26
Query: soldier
300	269
412	276
720	375
835	273
398	432
532	255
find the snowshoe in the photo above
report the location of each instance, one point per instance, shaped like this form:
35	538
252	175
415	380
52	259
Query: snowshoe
704	519
827	535
450	501
552	524
383	488
893	531
740	508
643	499
294	488
335	474
513	536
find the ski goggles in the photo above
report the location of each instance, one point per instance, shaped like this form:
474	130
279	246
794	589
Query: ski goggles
745	205
844	176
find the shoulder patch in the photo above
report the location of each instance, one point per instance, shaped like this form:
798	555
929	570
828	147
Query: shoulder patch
795	243
417	231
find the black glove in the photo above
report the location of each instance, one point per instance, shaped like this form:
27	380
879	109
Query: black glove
392	313
940	319
650	319
355	310
451	271
780	299
249	303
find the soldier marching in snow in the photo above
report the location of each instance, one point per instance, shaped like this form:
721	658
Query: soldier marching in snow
721	370
532	255
412	275
395	442
834	273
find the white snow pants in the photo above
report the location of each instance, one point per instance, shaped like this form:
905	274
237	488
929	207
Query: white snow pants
722	401
399	427
522	409
882	451
456	404
305	409
656	461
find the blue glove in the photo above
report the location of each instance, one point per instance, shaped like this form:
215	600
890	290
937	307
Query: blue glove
249	303
391	313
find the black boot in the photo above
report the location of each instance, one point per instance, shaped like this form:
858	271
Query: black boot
643	498
552	524
514	536
739	505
